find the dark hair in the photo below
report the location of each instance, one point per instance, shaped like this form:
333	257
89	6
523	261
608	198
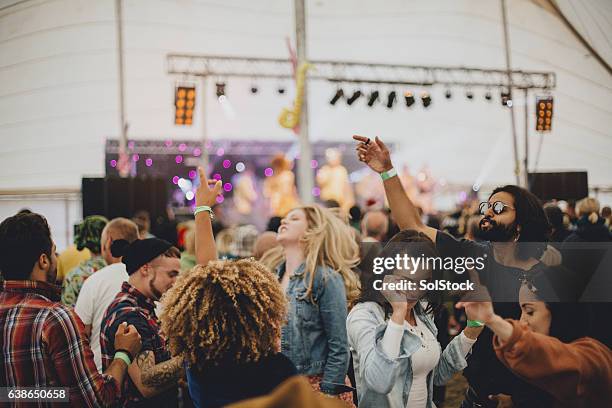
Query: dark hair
23	239
530	216
355	213
417	244
554	215
274	224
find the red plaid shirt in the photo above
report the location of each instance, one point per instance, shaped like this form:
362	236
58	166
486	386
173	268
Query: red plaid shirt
42	345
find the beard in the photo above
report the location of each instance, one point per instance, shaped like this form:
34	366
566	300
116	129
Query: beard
496	232
154	291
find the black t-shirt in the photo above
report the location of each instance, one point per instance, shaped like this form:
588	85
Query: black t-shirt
485	373
217	386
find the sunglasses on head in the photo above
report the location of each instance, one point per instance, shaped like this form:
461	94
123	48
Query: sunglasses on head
498	207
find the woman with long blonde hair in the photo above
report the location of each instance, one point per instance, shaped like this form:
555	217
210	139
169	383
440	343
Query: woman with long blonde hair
314	263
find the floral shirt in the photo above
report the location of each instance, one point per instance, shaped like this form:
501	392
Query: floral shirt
74	280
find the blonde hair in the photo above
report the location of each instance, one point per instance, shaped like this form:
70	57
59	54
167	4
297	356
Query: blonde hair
225	310
327	241
588	206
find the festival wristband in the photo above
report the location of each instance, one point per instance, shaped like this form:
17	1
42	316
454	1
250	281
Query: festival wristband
386	175
475	323
204	208
122	355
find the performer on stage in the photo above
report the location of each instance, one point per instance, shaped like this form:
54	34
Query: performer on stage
333	180
280	187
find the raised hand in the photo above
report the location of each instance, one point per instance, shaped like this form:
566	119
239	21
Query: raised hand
374	153
205	194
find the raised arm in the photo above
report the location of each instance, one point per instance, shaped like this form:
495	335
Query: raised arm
204	240
376	155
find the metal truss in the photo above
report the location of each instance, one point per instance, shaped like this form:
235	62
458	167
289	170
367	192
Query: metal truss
360	73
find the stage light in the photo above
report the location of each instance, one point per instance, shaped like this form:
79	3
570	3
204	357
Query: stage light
254	89
281	90
356	95
135	157
268	172
217	176
227	187
391	99
544	113
226	164
220	199
189	195
175	179
488	96
220	152
339	94
314	164
240	167
469	94
197	151
316	191
220	89
426	99
184	103
192	174
113	163
409	97
448	94
149	162
178	159
506	98
373	98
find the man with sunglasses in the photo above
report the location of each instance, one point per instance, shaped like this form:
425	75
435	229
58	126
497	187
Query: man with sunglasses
514	228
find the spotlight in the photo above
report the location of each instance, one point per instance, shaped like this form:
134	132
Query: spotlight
448	94
469	94
391	99
254	89
426	99
488	96
356	95
220	89
184	103
281	90
339	94
506	98
409	97
373	98
544	113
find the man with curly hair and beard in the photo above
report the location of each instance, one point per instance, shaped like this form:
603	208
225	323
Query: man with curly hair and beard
225	319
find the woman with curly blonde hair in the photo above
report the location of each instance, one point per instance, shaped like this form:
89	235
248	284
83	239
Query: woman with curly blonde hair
225	318
314	262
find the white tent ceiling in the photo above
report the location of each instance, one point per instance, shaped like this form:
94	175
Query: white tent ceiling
58	80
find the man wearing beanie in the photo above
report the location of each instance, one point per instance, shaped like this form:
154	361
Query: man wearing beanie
152	265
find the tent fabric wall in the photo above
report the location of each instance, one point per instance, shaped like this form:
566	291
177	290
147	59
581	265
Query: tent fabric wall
58	82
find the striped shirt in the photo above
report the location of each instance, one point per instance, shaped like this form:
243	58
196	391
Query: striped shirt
42	344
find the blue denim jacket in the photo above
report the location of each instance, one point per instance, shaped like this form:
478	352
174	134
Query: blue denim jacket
314	338
383	381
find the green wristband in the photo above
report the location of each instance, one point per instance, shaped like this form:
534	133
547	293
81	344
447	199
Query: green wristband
121	355
204	208
386	175
475	323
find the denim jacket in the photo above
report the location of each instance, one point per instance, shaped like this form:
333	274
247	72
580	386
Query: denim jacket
383	381
314	338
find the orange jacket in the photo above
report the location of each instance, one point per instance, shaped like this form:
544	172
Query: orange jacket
576	374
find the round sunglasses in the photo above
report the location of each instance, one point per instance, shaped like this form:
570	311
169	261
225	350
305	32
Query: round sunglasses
498	207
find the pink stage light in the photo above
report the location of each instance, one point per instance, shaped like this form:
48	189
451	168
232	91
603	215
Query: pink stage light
192	174
113	163
135	157
197	151
227	187
316	191
268	172
149	162
131	145
226	164
220	199
175	179
217	176
314	164
220	152
168	143
182	147
178	159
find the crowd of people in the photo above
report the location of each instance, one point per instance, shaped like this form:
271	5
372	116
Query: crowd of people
292	317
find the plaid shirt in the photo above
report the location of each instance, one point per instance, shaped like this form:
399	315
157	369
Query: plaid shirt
42	345
134	308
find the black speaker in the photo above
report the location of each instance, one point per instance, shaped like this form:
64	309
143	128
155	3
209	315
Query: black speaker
118	195
571	185
92	193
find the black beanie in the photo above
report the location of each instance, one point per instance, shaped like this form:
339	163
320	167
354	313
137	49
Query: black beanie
138	252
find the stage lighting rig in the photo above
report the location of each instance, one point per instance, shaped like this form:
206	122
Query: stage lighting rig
339	94
469	94
373	98
391	99
488	96
426	99
356	95
254	89
448	94
409	98
281	90
544	113
184	103
506	98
